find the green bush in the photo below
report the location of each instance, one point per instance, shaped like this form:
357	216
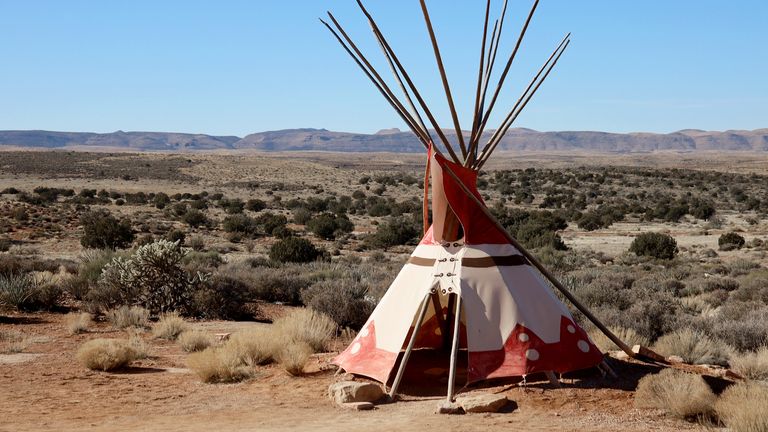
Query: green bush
17	290
730	241
220	297
346	302
395	231
329	226
255	205
656	245
294	249
195	218
103	231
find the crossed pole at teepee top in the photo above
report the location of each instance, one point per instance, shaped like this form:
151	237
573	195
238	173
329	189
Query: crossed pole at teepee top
471	155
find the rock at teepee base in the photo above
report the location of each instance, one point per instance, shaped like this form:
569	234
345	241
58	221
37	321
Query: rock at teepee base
482	403
351	391
445	407
358	406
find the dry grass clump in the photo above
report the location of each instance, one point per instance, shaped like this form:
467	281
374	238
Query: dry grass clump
12	342
293	356
681	394
306	325
105	354
195	340
743	407
78	322
128	316
170	326
255	346
629	336
137	343
694	347
753	365
219	365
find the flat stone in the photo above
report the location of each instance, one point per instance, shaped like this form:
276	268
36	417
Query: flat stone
482	403
674	359
351	391
358	406
446	407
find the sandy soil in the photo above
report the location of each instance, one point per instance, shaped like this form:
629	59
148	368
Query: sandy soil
44	388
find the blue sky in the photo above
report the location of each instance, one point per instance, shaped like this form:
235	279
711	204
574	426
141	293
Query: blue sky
235	67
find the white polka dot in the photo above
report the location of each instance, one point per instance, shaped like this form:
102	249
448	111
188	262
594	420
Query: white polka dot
355	348
532	354
523	337
583	345
364	332
571	329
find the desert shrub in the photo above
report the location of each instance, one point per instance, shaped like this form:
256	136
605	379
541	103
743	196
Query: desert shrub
101	230
48	289
255	205
694	347
301	215
395	231
128	316
175	236
741	266
241	224
329	226
5	244
730	241
293	357
747	331
270	223
306	325
255	346
169	326
195	218
278	285
197	244
218	365
657	245
742	407
17	290
628	336
681	394
105	354
195	340
220	297
752	365
151	277
752	287
294	249
534	229
78	322
345	301
709	284
202	260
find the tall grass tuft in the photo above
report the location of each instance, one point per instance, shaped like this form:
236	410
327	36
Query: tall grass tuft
681	394
195	340
628	336
128	316
752	365
219	365
306	325
743	407
694	347
105	354
78	322
170	326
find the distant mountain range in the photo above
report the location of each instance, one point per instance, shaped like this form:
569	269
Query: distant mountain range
389	140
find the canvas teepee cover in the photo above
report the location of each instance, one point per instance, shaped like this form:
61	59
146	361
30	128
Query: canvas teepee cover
512	324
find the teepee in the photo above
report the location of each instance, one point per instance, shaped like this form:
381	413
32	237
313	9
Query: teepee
469	286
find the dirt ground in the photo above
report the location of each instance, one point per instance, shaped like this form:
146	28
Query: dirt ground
44	388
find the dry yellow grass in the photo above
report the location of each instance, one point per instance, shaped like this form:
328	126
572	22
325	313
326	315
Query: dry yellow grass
293	357
105	354
306	325
128	316
219	365
12	342
78	322
255	346
195	340
743	407
694	347
628	336
169	327
681	394
137	343
753	365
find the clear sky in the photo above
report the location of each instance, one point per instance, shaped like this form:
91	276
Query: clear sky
236	67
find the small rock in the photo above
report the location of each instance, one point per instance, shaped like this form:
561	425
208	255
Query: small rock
675	359
358	406
446	407
351	391
620	355
482	403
